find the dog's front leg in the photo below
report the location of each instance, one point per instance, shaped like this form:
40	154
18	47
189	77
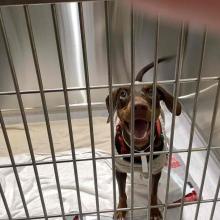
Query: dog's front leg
155	212
121	180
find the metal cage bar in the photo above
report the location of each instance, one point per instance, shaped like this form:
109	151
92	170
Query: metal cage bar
28	135
109	157
13	165
110	86
132	48
82	28
66	99
171	205
38	72
193	119
24	119
215	200
46	119
5	202
215	111
70	89
32	2
108	46
178	71
153	115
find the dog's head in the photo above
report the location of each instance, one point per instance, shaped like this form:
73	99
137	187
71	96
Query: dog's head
142	110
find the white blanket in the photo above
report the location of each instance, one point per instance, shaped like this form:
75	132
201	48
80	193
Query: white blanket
67	182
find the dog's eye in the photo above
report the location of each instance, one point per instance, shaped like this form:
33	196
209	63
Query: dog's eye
150	92
123	95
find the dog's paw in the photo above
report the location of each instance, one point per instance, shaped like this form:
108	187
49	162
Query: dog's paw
155	214
120	215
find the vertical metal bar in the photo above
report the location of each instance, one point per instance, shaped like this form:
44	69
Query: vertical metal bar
153	116
132	108
178	71
26	125
13	164
215	200
83	38
193	121
43	99
67	105
5	202
108	46
215	111
21	106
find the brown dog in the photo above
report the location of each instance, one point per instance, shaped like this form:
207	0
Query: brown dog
142	124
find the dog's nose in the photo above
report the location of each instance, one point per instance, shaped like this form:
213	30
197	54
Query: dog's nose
139	108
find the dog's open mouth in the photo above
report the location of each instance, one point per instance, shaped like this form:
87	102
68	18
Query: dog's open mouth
141	131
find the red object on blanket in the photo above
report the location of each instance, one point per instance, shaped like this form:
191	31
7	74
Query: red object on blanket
191	197
178	168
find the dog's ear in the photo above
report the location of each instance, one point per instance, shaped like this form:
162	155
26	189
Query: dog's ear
168	100
114	101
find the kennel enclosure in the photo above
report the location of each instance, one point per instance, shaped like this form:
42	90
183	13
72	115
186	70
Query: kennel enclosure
59	60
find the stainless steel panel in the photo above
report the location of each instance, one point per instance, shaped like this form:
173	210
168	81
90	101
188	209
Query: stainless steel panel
211	68
72	52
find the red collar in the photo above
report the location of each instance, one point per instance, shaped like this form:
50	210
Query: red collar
123	146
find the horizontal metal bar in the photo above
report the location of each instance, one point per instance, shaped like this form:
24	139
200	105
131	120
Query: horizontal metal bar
170	205
199	149
72	89
58	108
34	2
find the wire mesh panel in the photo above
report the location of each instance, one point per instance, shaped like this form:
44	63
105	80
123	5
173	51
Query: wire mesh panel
80	95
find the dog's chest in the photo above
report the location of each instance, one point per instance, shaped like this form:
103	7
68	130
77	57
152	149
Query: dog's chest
123	148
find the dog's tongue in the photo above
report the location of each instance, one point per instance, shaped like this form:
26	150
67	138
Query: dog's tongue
140	128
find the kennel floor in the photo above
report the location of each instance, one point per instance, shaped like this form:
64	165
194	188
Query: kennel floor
85	170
